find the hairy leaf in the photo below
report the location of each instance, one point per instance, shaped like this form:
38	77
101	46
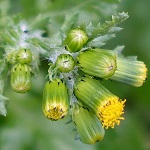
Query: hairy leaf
2	105
108	27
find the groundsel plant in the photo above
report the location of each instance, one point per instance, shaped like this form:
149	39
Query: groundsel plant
77	65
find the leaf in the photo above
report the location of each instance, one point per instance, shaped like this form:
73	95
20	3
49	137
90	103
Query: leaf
2	65
89	29
100	41
40	22
69	23
2	105
119	50
3	75
115	30
108	27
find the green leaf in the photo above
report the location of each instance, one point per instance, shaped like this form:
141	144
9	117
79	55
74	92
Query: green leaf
40	22
2	66
3	75
69	23
101	41
108	27
3	100
119	50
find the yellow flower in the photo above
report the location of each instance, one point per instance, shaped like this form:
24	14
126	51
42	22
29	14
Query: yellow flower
110	112
107	106
55	100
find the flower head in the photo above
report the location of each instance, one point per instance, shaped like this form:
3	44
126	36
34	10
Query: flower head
65	63
110	113
75	40
21	78
24	56
55	99
97	62
107	106
87	124
131	72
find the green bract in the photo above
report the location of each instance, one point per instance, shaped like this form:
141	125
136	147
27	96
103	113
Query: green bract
55	99
131	72
21	78
88	125
65	63
75	40
97	62
24	56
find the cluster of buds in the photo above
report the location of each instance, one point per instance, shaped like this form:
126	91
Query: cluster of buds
74	86
95	108
21	70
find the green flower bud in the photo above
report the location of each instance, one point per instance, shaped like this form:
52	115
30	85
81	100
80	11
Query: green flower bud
65	63
21	78
55	100
88	125
131	72
97	62
75	40
24	56
11	57
107	106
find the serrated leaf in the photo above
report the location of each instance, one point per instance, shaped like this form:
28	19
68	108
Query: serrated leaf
62	35
120	17
83	26
2	65
115	30
40	22
119	50
69	22
108	26
43	44
100	41
38	43
3	74
7	38
89	29
14	33
3	100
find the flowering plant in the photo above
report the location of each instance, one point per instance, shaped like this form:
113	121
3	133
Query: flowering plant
77	67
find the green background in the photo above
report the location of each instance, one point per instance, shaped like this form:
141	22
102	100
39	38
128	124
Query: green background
26	128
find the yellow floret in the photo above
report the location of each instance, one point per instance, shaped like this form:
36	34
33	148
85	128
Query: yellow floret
110	113
55	113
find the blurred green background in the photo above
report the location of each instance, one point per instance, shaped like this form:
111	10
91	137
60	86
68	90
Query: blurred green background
26	128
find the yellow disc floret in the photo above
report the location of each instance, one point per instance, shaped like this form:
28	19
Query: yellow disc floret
110	112
55	113
55	99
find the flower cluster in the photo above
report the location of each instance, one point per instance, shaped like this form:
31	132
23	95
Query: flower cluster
77	67
20	71
93	107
